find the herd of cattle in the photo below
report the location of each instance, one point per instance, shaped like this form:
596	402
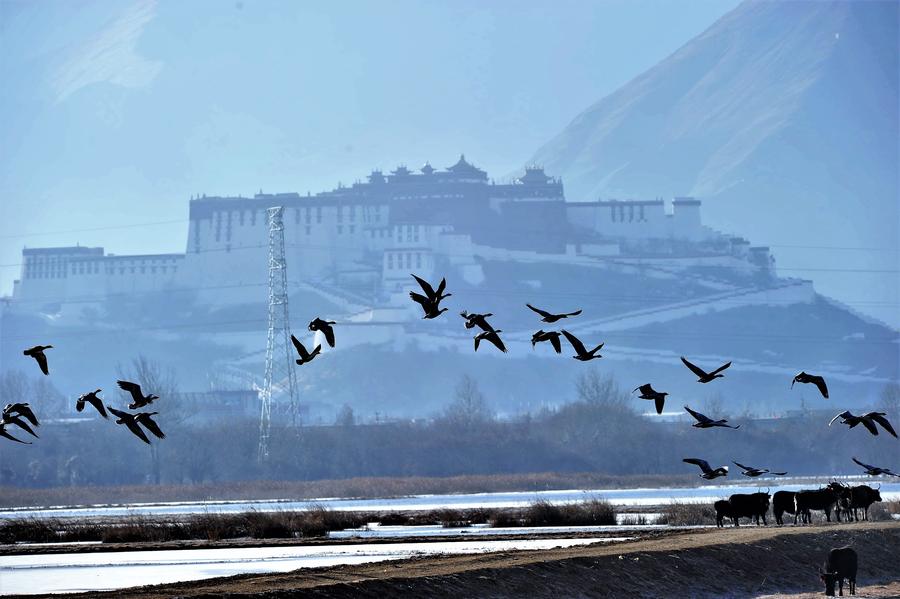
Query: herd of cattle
836	498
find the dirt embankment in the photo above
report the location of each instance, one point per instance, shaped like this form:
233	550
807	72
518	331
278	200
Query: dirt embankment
745	562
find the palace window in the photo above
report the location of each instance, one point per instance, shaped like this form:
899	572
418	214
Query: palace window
612	213
318	214
418	260
416	234
352	229
340	229
308	229
390	261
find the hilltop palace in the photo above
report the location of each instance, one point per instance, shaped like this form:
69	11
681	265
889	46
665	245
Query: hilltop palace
368	237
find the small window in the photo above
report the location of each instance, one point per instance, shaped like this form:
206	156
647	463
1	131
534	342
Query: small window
352	229
418	260
340	229
308	229
318	214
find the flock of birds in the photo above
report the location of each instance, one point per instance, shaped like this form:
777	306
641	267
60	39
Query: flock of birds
21	414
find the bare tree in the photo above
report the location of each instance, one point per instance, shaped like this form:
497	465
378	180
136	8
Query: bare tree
345	416
469	407
890	400
595	389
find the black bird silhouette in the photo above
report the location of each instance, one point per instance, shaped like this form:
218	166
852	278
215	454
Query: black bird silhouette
145	419
814	379
140	400
706	422
430	302
477	320
3	433
325	326
867	420
551	318
703	376
92	399
130	421
305	356
580	352
708	473
648	392
753	472
491	336
37	352
875	470
551	336
23	410
8	417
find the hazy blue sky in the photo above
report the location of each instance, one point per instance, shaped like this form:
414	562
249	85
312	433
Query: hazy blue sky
113	113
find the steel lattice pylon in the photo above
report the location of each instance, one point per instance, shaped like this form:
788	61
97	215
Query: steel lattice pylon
280	376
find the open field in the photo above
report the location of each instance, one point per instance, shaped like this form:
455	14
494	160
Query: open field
699	563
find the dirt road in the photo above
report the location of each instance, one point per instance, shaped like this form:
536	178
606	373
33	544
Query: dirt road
745	562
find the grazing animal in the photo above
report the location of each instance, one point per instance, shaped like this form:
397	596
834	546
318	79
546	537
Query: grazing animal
867	420
37	352
130	421
784	501
325	326
648	392
815	379
4	433
140	400
92	399
707	422
23	410
491	336
707	472
841	563
431	300
824	500
551	318
875	470
477	320
861	497
305	356
753	472
580	352
702	375
752	505
551	336
723	510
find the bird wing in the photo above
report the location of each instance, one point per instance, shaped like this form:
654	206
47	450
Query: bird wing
880	419
720	369
132	388
866	466
557	346
700	417
796	379
742	467
820	384
841	415
419	298
26	411
695	369
139	433
576	344
704	465
151	426
21	424
298	346
118	413
778	473
425	285
497	341
539	311
660	401
598	348
97	403
648	388
867	422
441	287
42	361
575	313
329	334
477	341
3	433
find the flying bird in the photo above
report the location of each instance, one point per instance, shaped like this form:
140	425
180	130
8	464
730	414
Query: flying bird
708	473
140	400
92	399
3	433
23	410
703	376
325	326
754	472
430	302
37	352
875	470
707	422
551	318
491	336
867	420
477	320
551	336
580	352
305	356
130	421
145	419
815	379
9	417
648	392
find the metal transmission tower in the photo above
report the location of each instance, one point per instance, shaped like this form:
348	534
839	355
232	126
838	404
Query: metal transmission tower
280	375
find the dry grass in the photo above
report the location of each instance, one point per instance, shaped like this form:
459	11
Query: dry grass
679	513
592	512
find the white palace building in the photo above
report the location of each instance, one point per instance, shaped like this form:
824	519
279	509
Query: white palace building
369	236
